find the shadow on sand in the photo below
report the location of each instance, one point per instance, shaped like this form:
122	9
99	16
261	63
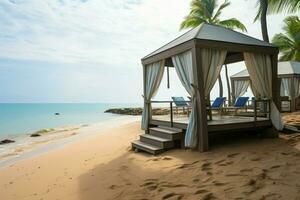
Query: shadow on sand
239	166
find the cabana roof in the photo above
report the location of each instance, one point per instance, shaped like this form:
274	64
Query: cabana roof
211	33
284	68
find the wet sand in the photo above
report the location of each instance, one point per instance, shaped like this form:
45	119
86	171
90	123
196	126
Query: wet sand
103	167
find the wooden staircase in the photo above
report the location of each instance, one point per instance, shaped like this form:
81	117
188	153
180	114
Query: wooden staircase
159	140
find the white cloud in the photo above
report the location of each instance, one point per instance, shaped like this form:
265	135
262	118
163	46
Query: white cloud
105	32
102	33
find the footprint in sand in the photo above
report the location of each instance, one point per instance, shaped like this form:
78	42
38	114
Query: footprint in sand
217	183
206	166
172	196
209	173
150	184
112	187
124	167
220	161
186	165
246	170
232	155
170	185
154	159
201	191
209	196
206	180
226	163
255	159
166	158
196	180
275	167
286	153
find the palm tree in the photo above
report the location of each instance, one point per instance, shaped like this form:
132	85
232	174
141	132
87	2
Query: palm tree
262	15
273	6
289	42
208	11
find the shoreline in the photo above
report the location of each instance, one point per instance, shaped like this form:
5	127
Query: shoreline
26	146
103	166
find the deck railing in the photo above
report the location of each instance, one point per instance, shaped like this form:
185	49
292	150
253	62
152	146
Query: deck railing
259	108
171	108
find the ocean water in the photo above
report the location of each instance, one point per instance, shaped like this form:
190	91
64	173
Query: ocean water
18	119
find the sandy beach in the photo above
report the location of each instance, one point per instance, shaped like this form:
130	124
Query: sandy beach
102	166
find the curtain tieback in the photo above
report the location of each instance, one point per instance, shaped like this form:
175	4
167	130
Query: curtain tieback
194	86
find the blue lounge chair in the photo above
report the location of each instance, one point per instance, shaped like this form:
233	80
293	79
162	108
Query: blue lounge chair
240	103
216	105
180	102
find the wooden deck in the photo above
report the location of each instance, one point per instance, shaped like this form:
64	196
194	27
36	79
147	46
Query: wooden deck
218	124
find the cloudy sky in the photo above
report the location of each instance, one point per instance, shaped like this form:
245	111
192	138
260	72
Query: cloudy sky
90	50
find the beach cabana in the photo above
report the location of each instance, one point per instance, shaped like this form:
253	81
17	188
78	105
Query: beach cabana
197	57
288	78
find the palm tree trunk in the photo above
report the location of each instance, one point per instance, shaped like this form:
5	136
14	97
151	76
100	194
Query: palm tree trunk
263	20
228	85
220	86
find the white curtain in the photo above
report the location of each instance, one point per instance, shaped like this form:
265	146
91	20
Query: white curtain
240	87
211	62
184	69
254	91
286	87
296	82
154	73
260	70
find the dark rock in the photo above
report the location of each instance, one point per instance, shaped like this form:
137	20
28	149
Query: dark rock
35	135
137	111
56	113
6	141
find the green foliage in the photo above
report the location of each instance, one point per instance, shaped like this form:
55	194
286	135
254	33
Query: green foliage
278	6
289	41
207	11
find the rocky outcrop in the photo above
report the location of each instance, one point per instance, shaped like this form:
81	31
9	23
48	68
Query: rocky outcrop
41	132
137	111
6	141
35	135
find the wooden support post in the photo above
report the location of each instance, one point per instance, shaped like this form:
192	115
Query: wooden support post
255	111
293	98
202	128
168	77
275	85
171	113
144	92
230	103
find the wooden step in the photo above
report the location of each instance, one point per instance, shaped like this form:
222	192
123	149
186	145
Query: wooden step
157	141
166	132
146	147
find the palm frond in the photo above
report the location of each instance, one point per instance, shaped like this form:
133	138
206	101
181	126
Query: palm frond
233	23
191	21
292	27
289	41
219	11
259	11
282	41
276	6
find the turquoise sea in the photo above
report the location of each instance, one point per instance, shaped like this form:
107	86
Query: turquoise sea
17	119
